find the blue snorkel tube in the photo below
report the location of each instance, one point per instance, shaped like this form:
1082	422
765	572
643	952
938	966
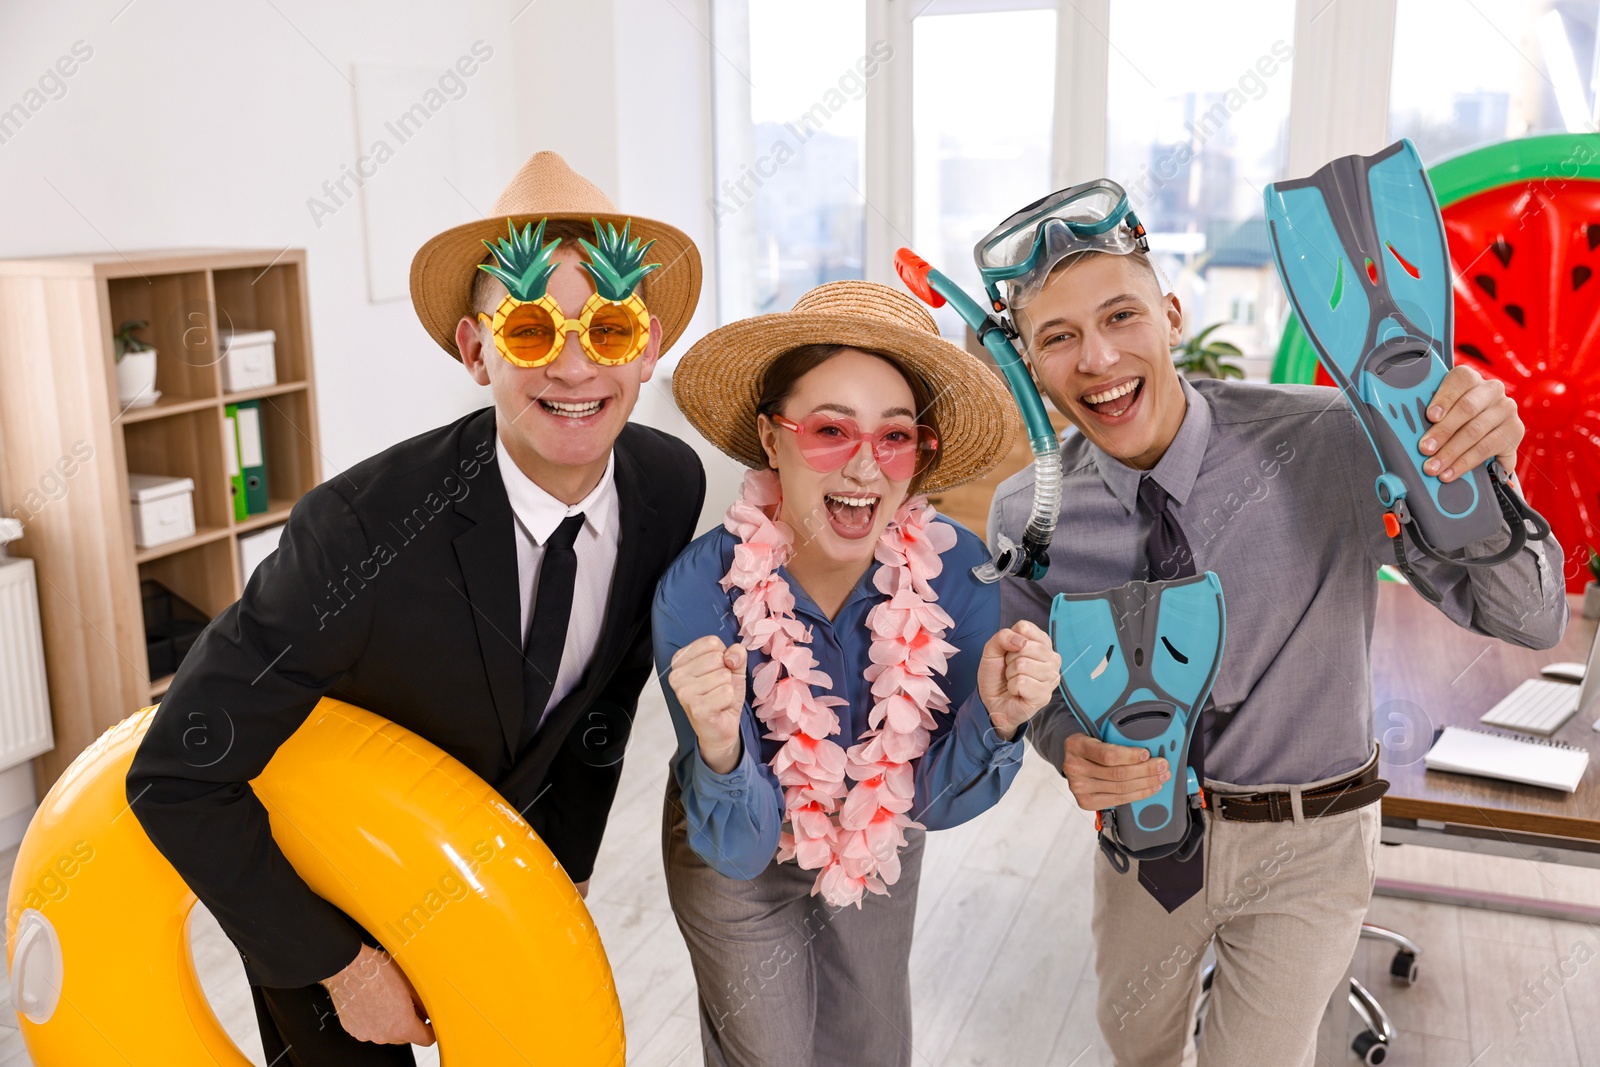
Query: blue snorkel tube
1021	253
1031	559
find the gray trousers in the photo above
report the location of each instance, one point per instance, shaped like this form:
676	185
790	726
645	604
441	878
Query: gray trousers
784	979
1282	905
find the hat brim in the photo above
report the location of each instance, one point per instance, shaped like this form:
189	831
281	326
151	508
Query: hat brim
444	269
717	385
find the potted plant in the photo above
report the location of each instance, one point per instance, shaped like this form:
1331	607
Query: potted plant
1591	592
1199	357
136	366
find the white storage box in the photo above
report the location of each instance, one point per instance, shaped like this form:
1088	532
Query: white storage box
255	547
163	508
247	360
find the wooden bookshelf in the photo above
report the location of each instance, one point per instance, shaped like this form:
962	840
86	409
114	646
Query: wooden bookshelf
58	393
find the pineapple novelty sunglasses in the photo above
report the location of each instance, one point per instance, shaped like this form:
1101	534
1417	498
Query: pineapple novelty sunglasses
529	327
533	334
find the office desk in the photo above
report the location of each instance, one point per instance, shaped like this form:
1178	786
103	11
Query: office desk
1428	673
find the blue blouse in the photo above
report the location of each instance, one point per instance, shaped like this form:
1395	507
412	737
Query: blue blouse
734	818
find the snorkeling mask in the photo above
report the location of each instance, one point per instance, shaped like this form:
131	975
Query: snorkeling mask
1023	250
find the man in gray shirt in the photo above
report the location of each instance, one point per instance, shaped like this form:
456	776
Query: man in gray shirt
1272	485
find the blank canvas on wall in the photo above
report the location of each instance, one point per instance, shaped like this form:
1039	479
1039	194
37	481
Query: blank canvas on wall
407	168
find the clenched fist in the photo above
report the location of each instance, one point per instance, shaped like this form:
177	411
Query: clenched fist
709	681
1018	672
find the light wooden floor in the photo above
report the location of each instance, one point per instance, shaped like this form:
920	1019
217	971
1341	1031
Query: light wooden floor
1001	968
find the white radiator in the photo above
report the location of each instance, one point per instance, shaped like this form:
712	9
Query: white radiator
24	699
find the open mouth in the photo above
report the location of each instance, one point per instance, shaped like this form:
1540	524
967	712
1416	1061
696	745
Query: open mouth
851	514
572	409
1116	400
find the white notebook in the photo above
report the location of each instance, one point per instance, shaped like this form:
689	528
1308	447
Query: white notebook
1531	761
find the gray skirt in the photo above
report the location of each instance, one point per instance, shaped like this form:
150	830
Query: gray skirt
784	979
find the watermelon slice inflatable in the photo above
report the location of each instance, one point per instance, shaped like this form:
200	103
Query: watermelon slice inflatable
1522	219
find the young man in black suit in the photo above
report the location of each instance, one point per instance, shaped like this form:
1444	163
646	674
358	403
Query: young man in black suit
486	585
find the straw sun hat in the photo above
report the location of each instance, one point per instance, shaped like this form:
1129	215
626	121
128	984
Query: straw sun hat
717	383
546	187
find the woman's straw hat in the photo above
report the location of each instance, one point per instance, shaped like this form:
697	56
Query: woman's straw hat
546	187
718	381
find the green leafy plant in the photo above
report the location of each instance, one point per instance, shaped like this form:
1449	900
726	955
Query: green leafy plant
1201	357
127	339
1594	564
616	263
525	261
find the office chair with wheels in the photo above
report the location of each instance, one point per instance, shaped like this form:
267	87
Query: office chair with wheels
1372	1043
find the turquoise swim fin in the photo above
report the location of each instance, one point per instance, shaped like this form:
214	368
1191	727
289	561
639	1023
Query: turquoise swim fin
1361	249
1137	664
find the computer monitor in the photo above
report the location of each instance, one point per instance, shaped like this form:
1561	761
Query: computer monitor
1591	680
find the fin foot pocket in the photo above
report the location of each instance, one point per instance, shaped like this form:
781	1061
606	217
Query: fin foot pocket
1191	842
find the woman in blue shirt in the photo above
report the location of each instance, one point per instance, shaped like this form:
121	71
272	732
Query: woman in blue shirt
838	679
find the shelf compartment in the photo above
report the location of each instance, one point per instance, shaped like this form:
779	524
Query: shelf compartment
187	445
268	298
179	310
204	575
289	436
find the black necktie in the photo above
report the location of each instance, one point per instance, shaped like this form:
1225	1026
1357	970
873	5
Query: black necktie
1167	553
547	630
1168	556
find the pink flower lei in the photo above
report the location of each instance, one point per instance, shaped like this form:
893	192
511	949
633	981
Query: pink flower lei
851	835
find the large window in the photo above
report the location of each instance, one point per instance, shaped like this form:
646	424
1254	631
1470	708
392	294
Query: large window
1197	118
962	96
1470	73
788	206
984	87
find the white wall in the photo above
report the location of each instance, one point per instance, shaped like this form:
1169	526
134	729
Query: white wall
196	123
665	171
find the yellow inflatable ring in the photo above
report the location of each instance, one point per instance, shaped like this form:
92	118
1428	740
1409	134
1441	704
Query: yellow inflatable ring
433	861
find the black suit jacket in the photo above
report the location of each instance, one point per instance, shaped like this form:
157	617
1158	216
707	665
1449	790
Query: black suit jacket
395	588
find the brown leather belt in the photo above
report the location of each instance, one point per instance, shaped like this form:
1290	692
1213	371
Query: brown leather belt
1347	794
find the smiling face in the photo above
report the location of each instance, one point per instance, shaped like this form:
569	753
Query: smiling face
560	420
1099	337
839	515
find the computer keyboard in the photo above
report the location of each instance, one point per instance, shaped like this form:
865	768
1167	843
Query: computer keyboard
1535	707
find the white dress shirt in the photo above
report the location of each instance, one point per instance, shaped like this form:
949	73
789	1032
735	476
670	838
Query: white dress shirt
537	516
